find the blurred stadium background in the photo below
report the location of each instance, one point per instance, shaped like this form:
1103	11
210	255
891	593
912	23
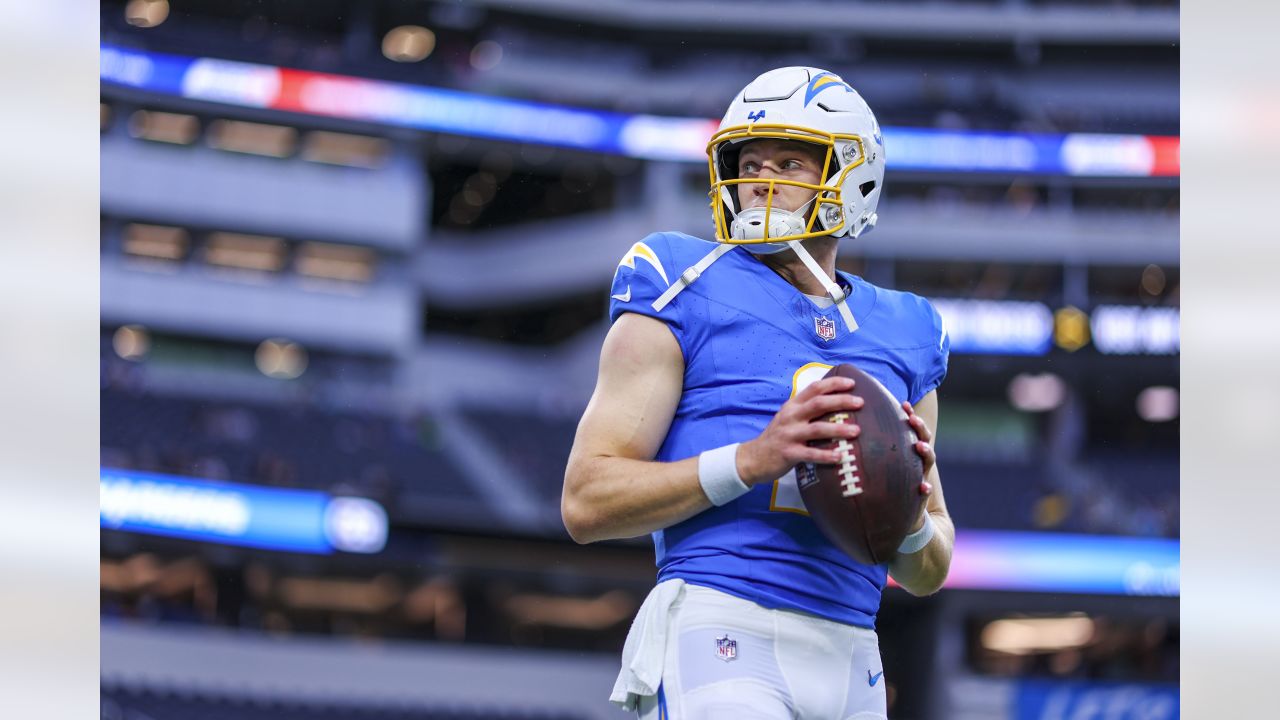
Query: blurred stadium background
354	260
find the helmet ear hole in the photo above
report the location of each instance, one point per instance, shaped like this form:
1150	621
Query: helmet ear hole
729	161
867	187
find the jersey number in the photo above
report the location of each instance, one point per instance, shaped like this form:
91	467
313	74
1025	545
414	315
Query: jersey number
786	492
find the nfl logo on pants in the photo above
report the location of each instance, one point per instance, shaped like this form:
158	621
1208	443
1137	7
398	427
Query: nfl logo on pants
726	649
826	327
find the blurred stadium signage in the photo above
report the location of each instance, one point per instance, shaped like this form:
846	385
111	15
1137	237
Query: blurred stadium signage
640	136
305	521
1003	327
997	327
1037	699
1130	330
1041	699
1070	328
1064	563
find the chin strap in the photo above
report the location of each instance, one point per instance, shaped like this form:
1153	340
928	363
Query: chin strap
833	288
688	276
693	273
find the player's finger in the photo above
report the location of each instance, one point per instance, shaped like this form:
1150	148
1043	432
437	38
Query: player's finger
823	404
906	405
925	487
825	386
921	428
925	451
827	431
818	456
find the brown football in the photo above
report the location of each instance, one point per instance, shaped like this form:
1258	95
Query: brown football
867	503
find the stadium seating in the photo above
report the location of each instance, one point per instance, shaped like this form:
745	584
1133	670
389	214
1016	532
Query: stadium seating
386	459
538	446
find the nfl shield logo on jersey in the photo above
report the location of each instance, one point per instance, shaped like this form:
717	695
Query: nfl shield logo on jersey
726	649
826	327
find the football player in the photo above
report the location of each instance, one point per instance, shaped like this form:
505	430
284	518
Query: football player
710	381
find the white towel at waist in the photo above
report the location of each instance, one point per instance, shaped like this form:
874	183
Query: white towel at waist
646	648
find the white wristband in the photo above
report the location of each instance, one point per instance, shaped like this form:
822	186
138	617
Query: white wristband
916	541
718	475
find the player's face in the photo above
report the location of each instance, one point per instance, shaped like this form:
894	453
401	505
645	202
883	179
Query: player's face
779	160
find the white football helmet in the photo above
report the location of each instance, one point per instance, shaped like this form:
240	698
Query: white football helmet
809	105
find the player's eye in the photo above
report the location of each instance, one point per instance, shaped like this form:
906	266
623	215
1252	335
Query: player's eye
792	165
749	167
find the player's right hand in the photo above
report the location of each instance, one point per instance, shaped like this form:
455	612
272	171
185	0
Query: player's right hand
785	442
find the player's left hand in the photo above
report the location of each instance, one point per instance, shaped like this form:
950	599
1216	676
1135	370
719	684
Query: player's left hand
924	446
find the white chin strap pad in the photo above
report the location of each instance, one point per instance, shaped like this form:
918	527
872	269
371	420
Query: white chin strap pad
832	287
749	224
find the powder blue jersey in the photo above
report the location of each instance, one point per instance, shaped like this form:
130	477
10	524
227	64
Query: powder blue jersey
750	341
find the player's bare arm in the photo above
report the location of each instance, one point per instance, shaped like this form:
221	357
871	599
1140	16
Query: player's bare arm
614	489
611	487
923	573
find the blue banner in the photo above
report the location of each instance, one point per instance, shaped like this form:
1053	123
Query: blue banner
649	137
924	149
148	71
1049	700
1059	562
304	521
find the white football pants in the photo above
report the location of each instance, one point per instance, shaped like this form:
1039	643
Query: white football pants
730	659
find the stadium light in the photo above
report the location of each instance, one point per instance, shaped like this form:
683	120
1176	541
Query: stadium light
138	571
146	13
408	43
131	342
165	127
1022	636
344	595
245	252
156	242
1158	404
334	148
486	55
1153	280
281	359
1039	392
587	613
252	138
335	262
